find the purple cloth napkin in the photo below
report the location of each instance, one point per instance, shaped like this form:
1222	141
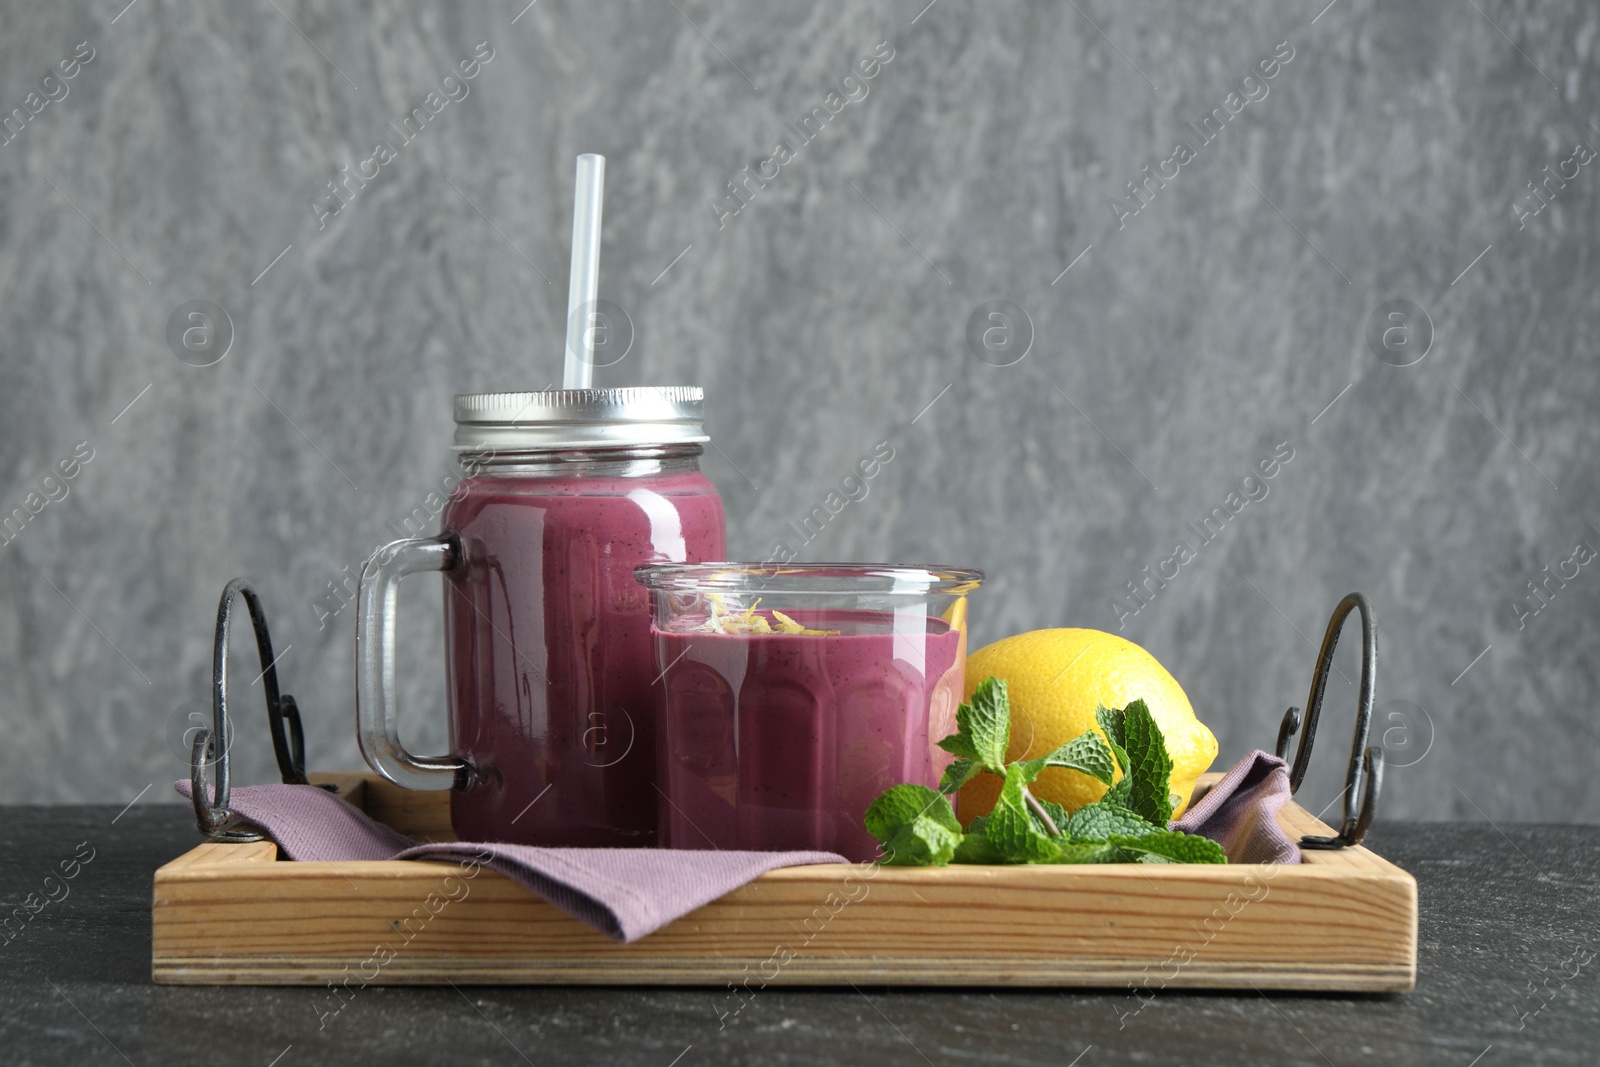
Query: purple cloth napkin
625	893
1240	812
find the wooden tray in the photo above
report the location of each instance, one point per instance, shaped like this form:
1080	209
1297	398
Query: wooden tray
1346	920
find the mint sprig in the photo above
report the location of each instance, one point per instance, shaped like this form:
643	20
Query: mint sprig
918	827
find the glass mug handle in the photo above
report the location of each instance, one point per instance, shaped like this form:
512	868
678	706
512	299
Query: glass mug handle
377	596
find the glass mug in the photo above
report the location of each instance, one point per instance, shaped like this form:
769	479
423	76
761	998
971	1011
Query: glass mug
547	635
795	694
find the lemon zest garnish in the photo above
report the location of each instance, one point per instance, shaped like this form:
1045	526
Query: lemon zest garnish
787	625
713	623
748	622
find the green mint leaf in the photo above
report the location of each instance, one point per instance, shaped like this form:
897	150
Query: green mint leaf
1085	852
1012	829
1102	821
986	722
961	746
1112	720
923	842
975	848
1149	766
1117	795
903	805
915	826
1087	753
1172	846
958	774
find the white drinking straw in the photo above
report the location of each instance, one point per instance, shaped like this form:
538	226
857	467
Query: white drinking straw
583	285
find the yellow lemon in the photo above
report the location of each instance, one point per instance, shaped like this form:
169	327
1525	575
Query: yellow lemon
1055	679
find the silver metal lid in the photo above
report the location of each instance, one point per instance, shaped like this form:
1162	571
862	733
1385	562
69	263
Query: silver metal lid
580	418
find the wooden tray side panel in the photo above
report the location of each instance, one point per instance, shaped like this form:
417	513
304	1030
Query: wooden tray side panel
1343	920
423	815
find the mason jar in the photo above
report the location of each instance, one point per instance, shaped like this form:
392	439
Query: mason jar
548	643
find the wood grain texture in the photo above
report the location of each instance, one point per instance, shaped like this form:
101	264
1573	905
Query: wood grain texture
1342	920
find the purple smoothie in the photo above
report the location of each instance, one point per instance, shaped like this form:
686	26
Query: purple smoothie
548	639
777	741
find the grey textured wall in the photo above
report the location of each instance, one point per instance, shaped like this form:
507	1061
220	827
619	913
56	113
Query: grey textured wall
1388	160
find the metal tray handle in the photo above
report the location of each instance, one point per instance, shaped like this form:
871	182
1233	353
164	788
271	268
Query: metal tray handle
211	747
1366	762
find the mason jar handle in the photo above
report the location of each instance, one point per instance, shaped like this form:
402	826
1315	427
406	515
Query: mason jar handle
377	596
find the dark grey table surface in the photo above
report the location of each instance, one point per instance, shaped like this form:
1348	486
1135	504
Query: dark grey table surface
1509	955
